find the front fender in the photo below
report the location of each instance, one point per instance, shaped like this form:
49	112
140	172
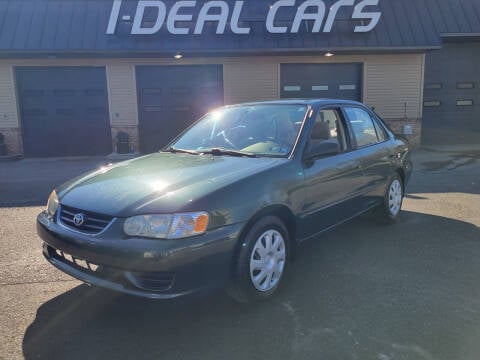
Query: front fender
240	201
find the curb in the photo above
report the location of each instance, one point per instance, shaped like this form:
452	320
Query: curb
452	149
8	158
122	157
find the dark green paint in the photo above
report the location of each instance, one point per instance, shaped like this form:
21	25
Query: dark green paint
315	194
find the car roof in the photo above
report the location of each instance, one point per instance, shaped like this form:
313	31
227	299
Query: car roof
312	102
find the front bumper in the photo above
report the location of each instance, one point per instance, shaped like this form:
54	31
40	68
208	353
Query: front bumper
158	269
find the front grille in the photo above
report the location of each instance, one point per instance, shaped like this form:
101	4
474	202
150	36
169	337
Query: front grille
146	281
92	223
87	267
72	261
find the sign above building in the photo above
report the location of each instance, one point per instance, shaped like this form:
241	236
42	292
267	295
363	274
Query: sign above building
227	27
189	16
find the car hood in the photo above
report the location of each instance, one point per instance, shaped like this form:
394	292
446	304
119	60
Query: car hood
160	182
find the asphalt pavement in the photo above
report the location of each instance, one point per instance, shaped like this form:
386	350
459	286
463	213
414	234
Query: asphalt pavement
30	181
362	291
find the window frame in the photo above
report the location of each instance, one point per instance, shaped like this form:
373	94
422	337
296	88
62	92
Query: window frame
296	148
432	104
373	117
341	118
461	85
464	103
381	124
390	134
434	86
342	129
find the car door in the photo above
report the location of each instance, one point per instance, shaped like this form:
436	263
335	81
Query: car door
332	183
374	152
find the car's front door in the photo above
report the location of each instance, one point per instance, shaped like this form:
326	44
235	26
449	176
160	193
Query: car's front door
374	151
333	183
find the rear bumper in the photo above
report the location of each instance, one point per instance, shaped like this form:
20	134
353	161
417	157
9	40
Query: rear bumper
408	169
157	269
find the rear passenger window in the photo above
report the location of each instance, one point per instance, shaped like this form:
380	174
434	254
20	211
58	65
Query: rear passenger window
381	134
362	125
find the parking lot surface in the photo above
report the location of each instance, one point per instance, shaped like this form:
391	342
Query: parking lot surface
362	291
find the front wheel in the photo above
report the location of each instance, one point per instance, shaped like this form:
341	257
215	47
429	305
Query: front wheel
261	261
392	202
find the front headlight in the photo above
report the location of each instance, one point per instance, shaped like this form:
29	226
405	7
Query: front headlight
52	203
174	226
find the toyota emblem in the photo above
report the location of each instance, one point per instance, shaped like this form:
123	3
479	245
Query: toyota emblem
79	219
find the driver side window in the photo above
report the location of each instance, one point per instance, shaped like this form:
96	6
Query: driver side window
328	129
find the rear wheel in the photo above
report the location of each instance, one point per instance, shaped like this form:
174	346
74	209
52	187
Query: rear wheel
261	262
392	203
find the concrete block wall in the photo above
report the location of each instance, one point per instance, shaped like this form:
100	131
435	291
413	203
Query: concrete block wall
13	140
132	131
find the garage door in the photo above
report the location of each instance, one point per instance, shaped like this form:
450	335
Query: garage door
172	97
452	95
64	111
334	81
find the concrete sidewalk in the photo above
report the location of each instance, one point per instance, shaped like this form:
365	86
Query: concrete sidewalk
434	169
446	157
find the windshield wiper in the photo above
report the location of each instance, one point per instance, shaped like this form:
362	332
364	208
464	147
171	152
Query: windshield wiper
219	152
183	151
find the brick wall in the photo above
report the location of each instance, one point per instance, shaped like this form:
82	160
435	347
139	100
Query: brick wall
13	139
397	127
130	130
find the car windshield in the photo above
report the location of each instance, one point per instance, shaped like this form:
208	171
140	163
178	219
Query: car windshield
261	129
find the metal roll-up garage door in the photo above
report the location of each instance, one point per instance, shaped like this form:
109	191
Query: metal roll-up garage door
334	81
172	97
64	111
451	111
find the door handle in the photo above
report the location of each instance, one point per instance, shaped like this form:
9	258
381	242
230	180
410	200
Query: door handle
350	165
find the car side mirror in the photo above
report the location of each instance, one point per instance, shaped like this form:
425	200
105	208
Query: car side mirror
321	149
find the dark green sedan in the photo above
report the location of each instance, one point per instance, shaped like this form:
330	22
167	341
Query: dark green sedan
227	202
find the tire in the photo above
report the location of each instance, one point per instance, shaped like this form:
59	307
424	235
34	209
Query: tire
390	210
259	269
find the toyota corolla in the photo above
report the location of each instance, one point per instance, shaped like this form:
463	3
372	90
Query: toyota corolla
226	203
